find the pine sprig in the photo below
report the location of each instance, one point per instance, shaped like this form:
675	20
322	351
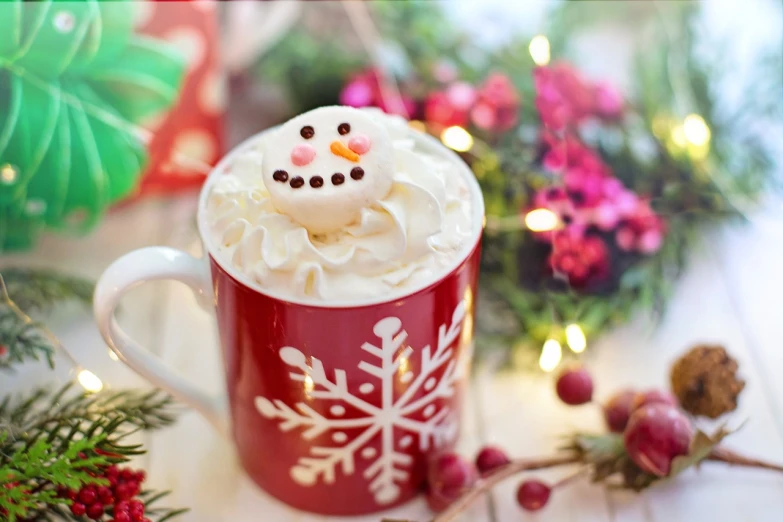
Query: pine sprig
29	478
54	438
24	291
57	412
35	290
21	338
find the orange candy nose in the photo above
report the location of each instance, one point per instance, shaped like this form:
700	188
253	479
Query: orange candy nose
339	149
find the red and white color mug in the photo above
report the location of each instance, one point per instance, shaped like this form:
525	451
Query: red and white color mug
333	408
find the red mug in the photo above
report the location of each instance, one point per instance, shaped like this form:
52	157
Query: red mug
333	408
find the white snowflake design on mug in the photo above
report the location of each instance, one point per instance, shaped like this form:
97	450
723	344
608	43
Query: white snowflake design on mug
390	465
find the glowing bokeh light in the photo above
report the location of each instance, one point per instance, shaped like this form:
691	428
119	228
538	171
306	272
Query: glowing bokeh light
551	355
539	49
90	381
575	338
457	138
541	220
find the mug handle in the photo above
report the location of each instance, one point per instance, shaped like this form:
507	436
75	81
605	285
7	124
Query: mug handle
132	269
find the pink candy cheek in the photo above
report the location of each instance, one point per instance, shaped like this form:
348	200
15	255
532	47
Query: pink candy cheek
360	144
302	155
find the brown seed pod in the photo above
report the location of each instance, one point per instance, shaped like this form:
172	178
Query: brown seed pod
705	381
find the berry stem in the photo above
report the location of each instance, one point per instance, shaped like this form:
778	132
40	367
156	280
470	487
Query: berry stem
725	455
571	478
501	474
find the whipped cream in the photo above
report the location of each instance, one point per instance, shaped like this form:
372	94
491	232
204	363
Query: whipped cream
292	214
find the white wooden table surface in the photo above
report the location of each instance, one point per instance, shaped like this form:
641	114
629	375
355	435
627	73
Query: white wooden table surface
730	294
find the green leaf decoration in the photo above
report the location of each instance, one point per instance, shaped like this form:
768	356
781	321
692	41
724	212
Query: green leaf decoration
75	83
610	464
701	447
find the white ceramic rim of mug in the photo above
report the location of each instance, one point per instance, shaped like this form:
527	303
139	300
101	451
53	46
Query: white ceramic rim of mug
429	144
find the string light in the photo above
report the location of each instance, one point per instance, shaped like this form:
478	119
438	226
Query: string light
550	355
8	173
457	138
539	49
541	220
575	338
678	136
696	131
90	381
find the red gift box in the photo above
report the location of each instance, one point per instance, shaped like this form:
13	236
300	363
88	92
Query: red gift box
193	129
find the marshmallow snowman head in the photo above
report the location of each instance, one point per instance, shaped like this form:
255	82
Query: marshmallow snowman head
322	167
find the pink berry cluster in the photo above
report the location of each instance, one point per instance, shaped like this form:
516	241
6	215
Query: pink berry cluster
594	206
654	429
492	106
654	432
591	202
118	498
597	210
450	476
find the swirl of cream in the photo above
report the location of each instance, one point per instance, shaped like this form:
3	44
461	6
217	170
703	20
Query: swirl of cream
397	241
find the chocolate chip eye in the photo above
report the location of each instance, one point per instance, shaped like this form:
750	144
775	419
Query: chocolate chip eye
307	132
338	179
296	182
344	128
357	173
316	182
280	175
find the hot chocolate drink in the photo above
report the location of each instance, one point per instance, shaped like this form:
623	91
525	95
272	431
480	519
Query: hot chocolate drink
341	204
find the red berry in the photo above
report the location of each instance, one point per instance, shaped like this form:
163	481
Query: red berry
121	516
653	397
121	506
532	495
127	474
123	491
491	458
78	509
88	495
566	264
617	410
578	274
140	476
95	511
82	455
105	495
136	509
655	434
437	501
447	477
112	471
575	386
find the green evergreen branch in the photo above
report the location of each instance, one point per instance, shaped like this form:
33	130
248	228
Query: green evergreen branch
35	290
24	291
108	410
29	477
21	338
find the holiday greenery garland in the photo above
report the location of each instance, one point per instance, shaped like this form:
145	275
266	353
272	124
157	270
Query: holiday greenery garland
594	198
75	82
60	449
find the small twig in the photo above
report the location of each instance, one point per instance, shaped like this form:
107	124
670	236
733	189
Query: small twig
572	478
727	456
500	475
